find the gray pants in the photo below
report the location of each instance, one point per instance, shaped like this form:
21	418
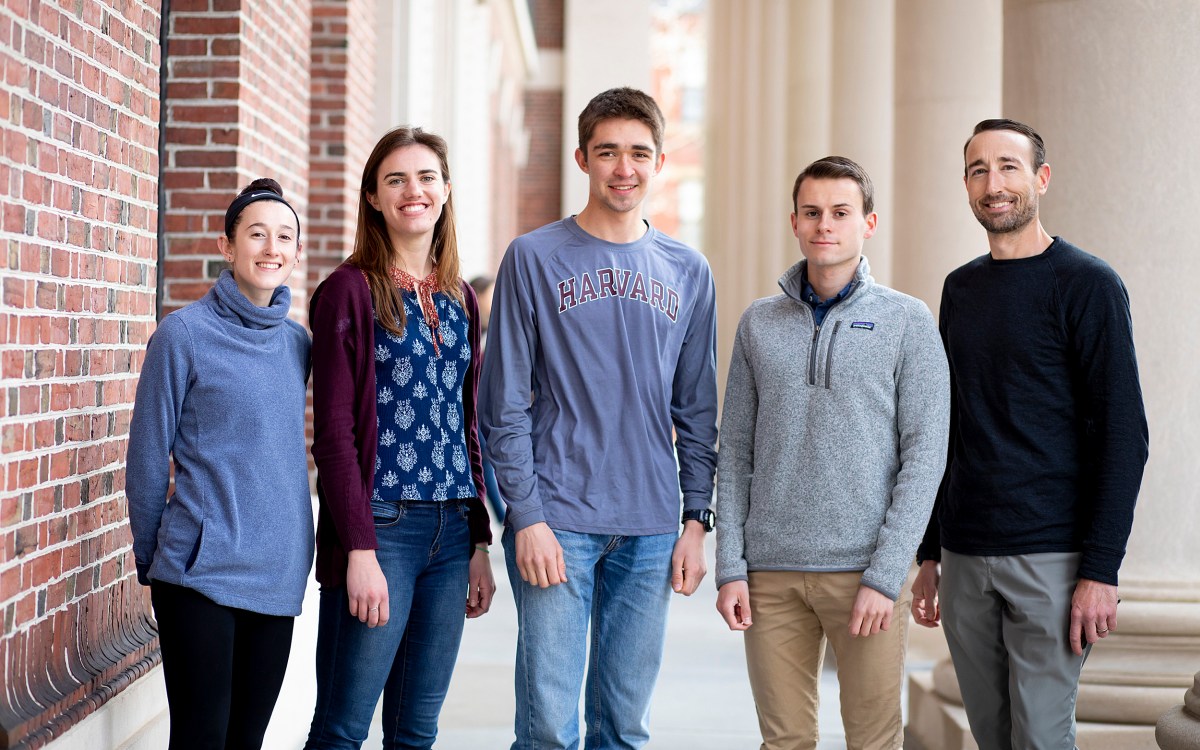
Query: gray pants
1007	620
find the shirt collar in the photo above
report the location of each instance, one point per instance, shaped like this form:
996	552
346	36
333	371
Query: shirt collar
811	297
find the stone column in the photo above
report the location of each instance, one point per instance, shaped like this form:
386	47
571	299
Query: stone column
1101	80
863	109
1179	728
769	78
605	44
947	79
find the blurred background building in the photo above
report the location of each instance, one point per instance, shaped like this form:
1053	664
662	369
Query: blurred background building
126	126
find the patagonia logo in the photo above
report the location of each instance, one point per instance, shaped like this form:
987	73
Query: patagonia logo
865	325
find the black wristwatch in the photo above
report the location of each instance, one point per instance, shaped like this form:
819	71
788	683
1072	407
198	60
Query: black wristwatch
706	517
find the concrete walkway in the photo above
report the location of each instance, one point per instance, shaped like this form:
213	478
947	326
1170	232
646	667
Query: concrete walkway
702	701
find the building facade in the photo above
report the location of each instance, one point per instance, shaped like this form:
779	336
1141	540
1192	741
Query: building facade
125	130
127	126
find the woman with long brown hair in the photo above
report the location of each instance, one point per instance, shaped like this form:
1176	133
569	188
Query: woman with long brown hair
402	536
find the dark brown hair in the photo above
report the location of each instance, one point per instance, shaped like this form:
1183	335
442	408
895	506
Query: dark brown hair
621	104
836	168
1000	123
373	252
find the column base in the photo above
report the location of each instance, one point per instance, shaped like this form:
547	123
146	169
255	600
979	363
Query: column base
935	723
1179	727
1129	680
1178	730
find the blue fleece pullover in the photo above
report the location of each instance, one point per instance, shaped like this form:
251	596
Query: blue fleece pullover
222	391
596	352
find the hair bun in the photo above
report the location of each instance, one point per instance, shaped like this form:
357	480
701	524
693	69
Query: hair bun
263	183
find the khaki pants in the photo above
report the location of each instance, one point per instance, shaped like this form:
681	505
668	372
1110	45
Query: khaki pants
794	614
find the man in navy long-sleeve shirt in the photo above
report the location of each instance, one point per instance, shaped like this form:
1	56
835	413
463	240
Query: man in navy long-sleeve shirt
1048	441
599	409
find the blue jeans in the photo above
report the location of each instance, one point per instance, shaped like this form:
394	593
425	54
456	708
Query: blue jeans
423	550
620	585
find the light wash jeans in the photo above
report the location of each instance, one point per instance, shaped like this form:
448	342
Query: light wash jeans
423	551
620	586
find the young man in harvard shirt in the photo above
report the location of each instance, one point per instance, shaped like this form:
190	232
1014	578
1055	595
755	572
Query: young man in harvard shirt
599	374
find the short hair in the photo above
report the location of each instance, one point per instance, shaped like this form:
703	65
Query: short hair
836	168
621	104
1001	123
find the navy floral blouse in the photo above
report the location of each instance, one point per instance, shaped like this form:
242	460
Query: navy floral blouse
422	439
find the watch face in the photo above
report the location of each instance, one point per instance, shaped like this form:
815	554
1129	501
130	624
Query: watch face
705	517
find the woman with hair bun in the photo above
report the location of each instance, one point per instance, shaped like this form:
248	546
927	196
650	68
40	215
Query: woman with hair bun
222	395
402	536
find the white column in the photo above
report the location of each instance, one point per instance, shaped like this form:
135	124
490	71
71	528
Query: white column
391	65
769	77
1103	81
605	44
863	109
948	66
470	89
947	79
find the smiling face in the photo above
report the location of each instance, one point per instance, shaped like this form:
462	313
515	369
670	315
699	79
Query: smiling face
1002	185
264	249
410	192
621	163
830	224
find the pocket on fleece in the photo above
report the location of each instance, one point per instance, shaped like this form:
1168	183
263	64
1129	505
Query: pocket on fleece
197	549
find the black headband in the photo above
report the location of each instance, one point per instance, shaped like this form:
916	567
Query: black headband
245	199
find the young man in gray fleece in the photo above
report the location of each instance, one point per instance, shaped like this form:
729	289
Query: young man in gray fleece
833	441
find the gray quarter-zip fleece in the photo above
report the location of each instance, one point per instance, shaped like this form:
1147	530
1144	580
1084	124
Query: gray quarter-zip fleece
833	438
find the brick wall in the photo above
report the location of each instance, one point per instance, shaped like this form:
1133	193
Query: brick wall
237	109
341	135
506	193
547	17
78	166
541	178
79	231
341	127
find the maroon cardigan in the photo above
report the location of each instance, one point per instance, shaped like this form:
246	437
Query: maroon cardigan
345	435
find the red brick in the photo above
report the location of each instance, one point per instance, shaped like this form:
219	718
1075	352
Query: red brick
190	6
187	47
189	113
204	25
207	68
226	47
207	158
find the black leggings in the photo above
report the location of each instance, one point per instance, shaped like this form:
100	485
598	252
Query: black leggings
223	668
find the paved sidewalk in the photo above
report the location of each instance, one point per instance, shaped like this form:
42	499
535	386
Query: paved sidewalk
702	701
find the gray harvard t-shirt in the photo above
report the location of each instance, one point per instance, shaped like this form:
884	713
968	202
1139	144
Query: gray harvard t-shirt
598	355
